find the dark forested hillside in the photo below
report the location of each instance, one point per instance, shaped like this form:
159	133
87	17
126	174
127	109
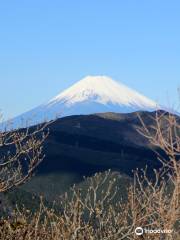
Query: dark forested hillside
80	146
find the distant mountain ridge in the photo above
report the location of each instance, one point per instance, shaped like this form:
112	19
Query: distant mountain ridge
92	94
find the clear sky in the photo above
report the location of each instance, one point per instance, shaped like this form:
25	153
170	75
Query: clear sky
47	45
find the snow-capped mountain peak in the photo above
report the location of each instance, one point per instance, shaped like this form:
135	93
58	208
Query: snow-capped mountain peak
103	90
92	94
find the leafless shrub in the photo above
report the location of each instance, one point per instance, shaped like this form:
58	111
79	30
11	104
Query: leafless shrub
21	153
161	196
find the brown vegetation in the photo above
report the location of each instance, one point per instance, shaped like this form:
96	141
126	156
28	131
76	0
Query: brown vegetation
152	203
17	165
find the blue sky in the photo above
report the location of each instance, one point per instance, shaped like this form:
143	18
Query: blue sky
45	46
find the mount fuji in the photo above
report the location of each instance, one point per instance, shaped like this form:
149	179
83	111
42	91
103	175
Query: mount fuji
92	94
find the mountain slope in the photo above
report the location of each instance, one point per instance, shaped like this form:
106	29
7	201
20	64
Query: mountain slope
83	145
102	90
93	94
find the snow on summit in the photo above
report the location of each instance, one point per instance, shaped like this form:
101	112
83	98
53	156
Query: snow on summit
92	94
103	90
